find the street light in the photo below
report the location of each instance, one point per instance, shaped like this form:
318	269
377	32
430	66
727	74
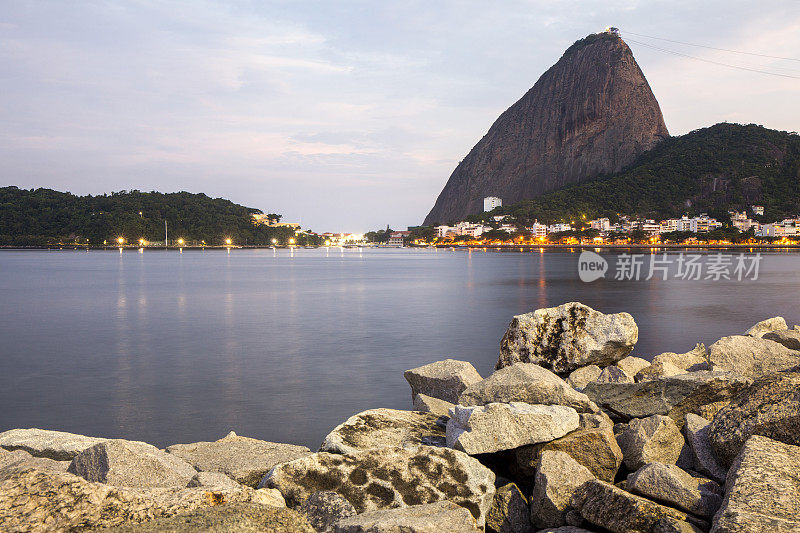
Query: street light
291	241
228	241
121	240
274	241
142	242
180	242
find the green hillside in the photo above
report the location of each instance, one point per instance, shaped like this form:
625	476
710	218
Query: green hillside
44	216
726	166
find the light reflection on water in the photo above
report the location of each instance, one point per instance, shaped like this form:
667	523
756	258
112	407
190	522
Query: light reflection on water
285	344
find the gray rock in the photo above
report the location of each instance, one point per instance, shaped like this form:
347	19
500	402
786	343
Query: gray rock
558	476
613	374
632	365
439	517
528	383
619	511
704	460
568	337
674	487
652	439
595	449
19	460
751	356
593	421
444	380
762	492
323	509
131	464
771	407
504	426
33	500
56	445
376	428
788	337
213	481
243	459
428	404
661	369
692	361
765	326
670	525
383	478
584	375
564	529
510	512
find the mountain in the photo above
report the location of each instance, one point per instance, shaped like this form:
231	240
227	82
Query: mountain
39	217
725	166
590	114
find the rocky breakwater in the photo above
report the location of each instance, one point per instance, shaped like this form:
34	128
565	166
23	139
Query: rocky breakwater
571	434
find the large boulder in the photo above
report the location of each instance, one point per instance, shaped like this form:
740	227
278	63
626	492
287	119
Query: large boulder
660	369
243	459
703	458
672	486
788	337
584	375
619	511
762	492
383	478
765	326
213	481
652	439
510	512
384	427
594	448
19	460
558	476
504	426
751	356
567	337
632	365
694	360
444	380
613	374
324	508
131	464
56	445
439	517
771	407
428	404
528	383
33	500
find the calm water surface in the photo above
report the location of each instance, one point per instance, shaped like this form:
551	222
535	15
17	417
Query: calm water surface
172	347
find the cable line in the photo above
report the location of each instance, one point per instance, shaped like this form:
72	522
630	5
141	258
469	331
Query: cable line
714	47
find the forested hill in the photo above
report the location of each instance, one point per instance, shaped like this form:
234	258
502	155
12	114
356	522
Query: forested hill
726	166
45	216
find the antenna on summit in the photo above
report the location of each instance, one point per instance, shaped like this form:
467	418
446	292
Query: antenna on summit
612	29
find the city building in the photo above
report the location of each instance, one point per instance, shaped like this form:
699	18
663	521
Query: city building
558	228
757	209
538	230
703	224
602	224
741	222
669	225
490	202
442	231
396	238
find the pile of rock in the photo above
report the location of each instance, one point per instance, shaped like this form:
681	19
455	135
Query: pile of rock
570	434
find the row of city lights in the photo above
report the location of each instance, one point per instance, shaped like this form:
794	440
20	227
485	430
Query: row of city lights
228	241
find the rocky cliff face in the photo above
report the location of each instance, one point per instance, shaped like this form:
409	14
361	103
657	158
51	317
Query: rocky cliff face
590	114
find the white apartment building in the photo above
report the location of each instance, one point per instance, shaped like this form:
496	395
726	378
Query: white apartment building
558	228
490	202
741	222
669	225
703	224
470	229
757	209
538	230
651	227
602	224
442	231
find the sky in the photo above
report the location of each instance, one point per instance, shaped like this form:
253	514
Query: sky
341	115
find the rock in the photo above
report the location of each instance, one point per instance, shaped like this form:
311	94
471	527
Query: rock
564	529
37	501
323	509
652	439
771	407
504	426
787	337
673	396
670	525
567	337
674	487
613	374
632	365
765	326
751	356
619	511
428	404
704	461
595	449
383	478
444	380
509	512
235	517
762	492
582	376
439	517
592	421
709	411
213	481
131	464
56	445
243	459
528	383
376	428
657	370
691	361
19	460
558	476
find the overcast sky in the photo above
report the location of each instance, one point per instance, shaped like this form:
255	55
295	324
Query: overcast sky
346	115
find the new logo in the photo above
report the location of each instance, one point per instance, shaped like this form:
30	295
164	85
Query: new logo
591	266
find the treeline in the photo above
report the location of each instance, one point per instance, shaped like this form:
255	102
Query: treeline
711	170
41	217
